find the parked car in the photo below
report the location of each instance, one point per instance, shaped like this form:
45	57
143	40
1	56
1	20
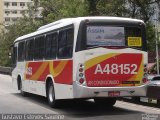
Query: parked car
146	80
150	77
153	89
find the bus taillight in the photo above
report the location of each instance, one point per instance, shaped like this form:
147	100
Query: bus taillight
81	76
145	80
81	81
81	70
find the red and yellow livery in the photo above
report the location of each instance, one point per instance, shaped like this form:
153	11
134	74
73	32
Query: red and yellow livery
58	69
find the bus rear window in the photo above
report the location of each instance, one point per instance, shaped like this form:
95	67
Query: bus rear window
133	37
113	36
105	36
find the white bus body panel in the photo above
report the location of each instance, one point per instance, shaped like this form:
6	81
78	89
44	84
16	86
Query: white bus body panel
82	91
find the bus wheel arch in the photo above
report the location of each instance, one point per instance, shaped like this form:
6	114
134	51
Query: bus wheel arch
50	93
19	82
48	80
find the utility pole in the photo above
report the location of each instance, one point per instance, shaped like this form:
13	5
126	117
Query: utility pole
156	35
157	53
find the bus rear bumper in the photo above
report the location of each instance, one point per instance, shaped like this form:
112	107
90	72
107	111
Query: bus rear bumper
93	92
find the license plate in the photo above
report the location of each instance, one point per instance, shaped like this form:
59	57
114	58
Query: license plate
114	93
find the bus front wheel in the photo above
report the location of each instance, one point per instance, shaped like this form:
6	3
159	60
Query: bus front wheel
106	102
51	95
21	89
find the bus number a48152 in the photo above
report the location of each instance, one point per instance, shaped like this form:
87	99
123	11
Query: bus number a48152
116	69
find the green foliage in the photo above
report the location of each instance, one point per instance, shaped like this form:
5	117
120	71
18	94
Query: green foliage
114	8
73	8
58	9
150	33
22	27
141	9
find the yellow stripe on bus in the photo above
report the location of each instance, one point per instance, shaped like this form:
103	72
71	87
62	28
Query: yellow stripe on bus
39	72
56	71
139	74
25	75
90	63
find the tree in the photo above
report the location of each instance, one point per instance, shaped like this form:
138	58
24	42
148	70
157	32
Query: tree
112	8
92	7
23	26
150	33
58	9
141	9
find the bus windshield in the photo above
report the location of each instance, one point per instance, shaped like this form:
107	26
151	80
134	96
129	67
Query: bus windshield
113	36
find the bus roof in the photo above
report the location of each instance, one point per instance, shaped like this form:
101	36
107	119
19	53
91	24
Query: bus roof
68	21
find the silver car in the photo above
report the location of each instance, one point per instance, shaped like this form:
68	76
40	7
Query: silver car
153	89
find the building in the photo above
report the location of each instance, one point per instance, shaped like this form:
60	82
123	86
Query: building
1	13
12	10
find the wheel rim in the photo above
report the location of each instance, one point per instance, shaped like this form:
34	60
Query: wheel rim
51	94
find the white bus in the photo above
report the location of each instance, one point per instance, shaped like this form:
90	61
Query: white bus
100	58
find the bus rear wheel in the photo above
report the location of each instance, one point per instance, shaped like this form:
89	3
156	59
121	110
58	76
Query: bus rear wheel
51	96
105	102
158	103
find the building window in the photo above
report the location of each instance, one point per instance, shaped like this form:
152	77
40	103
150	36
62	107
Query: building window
7	12
14	12
7	19
6	4
22	4
14	3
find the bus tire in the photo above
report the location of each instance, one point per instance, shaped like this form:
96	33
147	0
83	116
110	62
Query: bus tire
158	103
136	99
51	95
105	102
21	89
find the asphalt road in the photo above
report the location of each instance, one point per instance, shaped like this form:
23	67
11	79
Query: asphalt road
11	102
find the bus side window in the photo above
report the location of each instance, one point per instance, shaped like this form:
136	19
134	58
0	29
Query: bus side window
51	46
26	52
21	51
14	56
65	43
29	49
39	48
